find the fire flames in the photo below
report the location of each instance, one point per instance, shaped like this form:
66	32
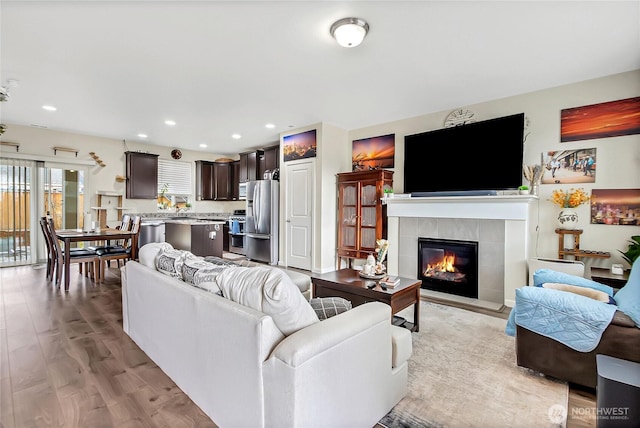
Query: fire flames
444	269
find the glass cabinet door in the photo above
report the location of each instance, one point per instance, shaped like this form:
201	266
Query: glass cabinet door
368	213
348	214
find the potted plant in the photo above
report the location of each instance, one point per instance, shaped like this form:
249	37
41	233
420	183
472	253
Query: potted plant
388	192
633	252
523	190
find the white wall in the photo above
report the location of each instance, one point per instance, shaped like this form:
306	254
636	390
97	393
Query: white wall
618	157
40	142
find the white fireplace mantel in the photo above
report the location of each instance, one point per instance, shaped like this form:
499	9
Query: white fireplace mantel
517	211
503	207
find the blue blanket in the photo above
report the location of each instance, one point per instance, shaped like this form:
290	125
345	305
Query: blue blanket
574	320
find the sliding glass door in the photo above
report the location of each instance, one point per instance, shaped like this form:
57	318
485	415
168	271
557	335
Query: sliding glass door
18	227
29	190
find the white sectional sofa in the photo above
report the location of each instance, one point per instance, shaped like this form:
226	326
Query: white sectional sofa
241	370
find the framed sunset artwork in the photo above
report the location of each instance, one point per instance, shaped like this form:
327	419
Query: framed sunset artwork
373	153
610	119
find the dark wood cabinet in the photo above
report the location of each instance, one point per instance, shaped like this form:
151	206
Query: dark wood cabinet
213	181
235	180
207	239
361	216
269	161
142	175
249	166
204	181
222	181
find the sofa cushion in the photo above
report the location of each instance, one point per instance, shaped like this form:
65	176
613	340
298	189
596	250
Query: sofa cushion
598	295
202	274
147	253
169	262
628	297
542	276
270	291
326	307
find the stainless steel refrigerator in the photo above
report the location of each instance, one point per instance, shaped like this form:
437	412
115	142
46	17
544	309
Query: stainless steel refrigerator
261	227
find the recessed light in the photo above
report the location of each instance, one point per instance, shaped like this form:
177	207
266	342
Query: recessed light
203	145
270	125
170	122
142	135
236	136
49	108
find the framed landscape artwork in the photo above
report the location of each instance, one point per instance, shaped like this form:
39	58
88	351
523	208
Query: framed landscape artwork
373	153
299	146
615	207
610	119
569	166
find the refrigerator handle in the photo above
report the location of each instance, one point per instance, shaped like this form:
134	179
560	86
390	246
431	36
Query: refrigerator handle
256	206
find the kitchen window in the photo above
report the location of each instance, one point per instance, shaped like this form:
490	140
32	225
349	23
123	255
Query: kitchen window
175	185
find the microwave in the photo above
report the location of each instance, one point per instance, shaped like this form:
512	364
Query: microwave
242	191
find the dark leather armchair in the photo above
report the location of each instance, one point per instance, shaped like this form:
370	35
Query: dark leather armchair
621	339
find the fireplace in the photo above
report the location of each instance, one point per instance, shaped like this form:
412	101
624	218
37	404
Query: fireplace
448	266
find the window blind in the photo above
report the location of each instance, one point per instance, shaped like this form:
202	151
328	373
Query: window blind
176	175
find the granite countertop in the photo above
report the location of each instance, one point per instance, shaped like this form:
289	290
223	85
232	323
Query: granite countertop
194	221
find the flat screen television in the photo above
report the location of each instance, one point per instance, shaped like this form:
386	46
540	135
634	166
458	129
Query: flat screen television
474	158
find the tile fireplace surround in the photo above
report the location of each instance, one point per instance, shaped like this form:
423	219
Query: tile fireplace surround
504	227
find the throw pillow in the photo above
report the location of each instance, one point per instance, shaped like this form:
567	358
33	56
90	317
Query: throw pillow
147	253
202	274
169	262
271	291
628	297
598	295
542	276
326	307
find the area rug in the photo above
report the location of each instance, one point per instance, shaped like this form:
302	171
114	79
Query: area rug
463	373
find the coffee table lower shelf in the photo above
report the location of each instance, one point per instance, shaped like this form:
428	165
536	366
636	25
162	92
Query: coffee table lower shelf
348	284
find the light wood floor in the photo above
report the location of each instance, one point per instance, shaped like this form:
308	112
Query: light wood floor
65	361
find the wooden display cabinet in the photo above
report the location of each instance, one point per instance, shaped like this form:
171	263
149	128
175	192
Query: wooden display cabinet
361	215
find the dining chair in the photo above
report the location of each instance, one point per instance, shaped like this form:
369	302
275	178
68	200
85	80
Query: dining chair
51	257
84	256
120	252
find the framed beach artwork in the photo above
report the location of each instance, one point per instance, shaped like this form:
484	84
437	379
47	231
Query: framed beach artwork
610	119
569	166
615	206
373	153
299	146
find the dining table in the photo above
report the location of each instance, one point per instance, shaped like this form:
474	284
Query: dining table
67	236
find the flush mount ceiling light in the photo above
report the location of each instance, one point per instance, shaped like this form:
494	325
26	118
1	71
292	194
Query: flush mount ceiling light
349	32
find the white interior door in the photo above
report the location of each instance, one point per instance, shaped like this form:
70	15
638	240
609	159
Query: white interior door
299	215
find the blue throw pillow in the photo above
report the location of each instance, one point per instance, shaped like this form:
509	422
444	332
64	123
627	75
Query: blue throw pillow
628	297
542	276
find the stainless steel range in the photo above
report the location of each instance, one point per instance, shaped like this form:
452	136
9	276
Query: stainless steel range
237	223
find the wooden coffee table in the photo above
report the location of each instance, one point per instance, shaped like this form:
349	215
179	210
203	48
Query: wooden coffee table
348	284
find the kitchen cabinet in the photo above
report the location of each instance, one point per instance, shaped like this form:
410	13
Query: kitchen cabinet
202	238
249	166
213	181
204	181
361	215
269	161
142	175
235	180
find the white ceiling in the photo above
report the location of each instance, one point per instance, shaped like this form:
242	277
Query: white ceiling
117	69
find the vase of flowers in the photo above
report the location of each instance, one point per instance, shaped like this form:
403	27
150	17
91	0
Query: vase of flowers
568	201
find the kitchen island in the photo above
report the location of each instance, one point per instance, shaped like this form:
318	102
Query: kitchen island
199	236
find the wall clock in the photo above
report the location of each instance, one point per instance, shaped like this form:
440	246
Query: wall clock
176	154
459	117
